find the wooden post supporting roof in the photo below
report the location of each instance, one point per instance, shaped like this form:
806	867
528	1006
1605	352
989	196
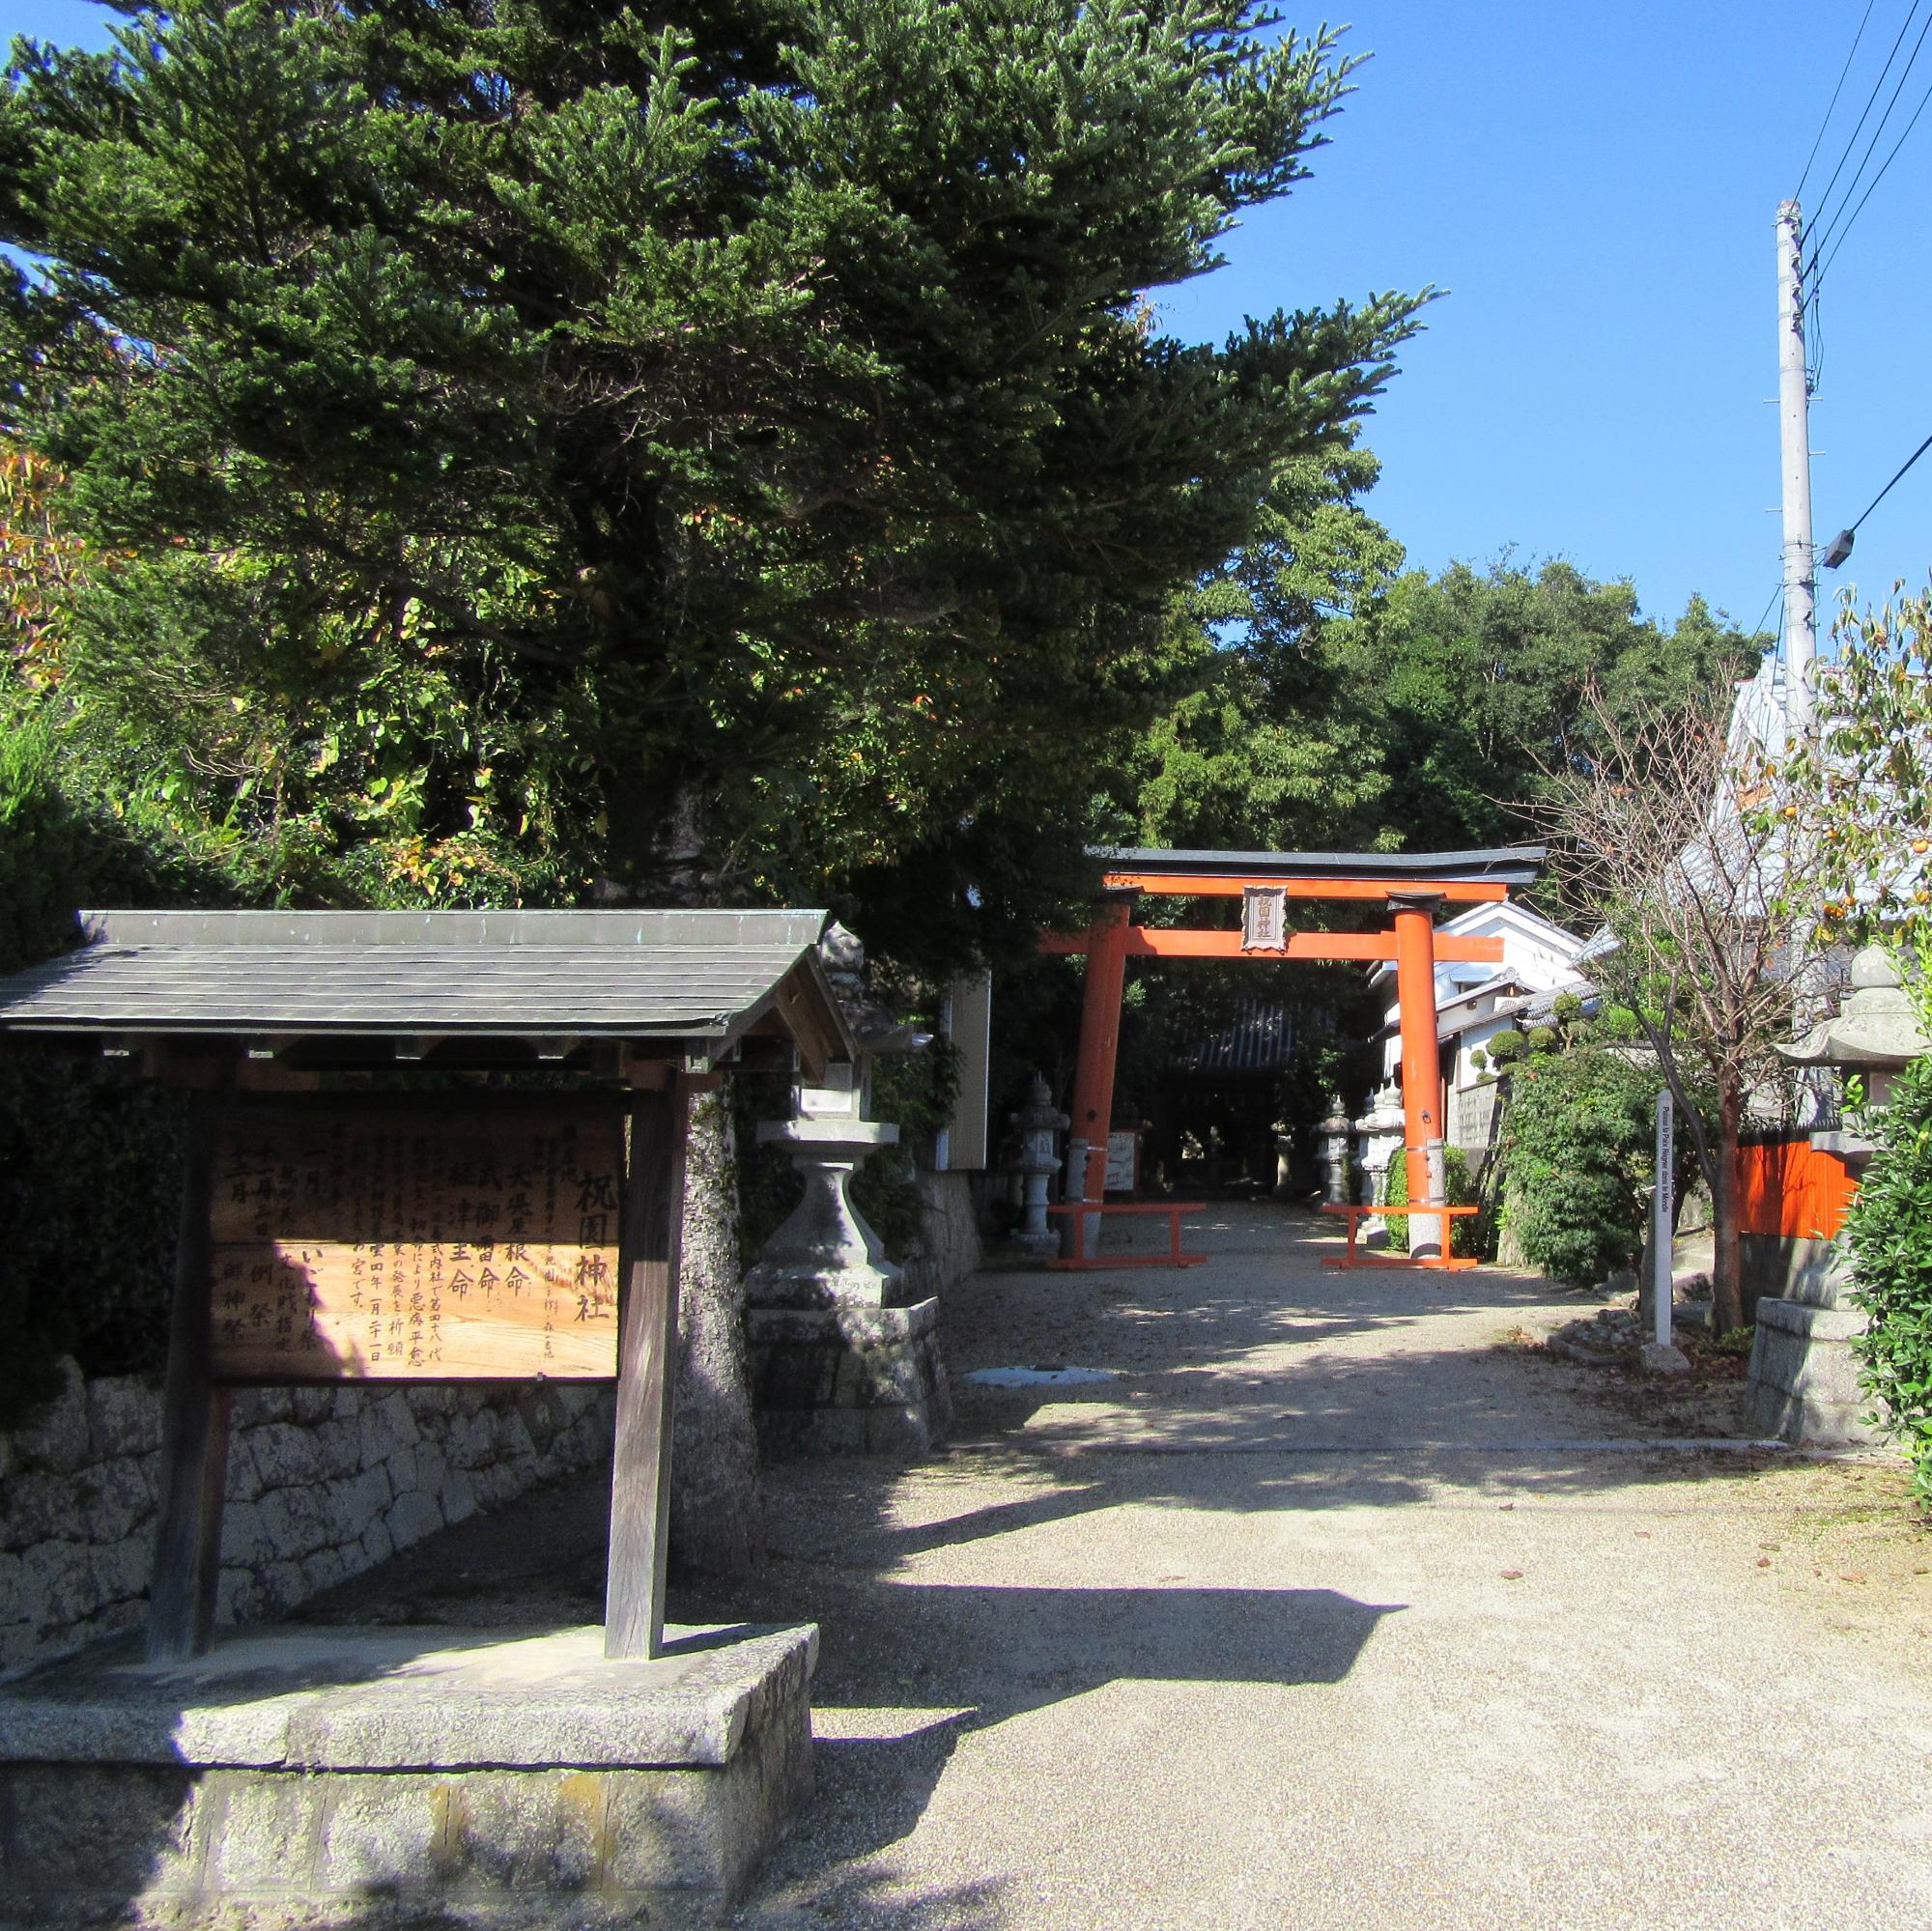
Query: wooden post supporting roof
634	1587
195	1427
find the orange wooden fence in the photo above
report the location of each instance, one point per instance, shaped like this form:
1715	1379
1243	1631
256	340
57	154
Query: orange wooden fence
1791	1189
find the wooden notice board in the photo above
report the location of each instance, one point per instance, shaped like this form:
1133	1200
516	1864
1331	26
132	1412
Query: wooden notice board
426	1243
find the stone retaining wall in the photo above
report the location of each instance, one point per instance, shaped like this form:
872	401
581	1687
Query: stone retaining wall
949	1247
323	1483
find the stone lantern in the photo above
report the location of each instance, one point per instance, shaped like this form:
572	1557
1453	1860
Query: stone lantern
1379	1131
1804	1377
1037	1122
838	1356
1336	1132
825	1255
1875	1034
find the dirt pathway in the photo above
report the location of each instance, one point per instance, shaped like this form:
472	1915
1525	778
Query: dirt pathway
1344	1605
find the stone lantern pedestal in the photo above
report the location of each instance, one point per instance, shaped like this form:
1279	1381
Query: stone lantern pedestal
835	1362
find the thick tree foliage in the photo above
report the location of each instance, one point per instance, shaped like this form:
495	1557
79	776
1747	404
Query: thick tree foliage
724	451
1345	704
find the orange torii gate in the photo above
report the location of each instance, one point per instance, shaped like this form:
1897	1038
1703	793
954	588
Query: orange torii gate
1411	885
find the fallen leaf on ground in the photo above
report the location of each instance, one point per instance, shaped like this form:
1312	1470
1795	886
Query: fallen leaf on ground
1512	1575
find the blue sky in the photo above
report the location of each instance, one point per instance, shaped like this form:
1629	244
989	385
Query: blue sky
1596	187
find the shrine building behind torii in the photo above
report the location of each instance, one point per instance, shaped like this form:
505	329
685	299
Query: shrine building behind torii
1410	885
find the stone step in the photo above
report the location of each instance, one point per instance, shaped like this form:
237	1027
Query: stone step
1814	1322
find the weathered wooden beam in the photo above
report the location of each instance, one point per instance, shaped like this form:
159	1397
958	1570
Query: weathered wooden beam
194	1426
646	1363
817	1045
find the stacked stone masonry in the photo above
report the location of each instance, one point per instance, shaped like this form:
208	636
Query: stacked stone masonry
949	1247
323	1483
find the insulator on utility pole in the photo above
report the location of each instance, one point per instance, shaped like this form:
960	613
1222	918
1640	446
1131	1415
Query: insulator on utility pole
1795	446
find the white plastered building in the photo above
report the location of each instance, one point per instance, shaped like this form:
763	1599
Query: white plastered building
1474	1003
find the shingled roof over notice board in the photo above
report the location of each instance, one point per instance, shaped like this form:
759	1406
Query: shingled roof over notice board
448	985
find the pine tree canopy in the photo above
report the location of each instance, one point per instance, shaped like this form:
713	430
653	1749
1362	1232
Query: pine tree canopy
531	432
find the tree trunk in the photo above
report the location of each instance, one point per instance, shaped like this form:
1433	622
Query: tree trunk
717	1510
1726	1255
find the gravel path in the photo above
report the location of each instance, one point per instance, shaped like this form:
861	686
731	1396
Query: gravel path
1347	1605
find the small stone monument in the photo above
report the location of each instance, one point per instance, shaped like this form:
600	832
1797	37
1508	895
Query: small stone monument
1038	1123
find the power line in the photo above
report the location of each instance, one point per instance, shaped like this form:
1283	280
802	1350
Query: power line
1836	91
1824	233
1835	553
1818	276
1871	100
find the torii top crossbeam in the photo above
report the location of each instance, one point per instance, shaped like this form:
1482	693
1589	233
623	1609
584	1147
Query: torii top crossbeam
1410	884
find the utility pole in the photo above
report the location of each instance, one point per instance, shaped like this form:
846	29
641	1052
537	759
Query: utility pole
1794	389
1801	578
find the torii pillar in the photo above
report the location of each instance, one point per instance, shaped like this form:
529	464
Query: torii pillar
1099	1044
1414	919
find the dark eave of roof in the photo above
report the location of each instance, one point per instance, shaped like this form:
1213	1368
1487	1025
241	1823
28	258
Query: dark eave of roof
1502	865
705	977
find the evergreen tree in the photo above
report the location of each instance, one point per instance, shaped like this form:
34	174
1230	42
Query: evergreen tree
1482	685
725	452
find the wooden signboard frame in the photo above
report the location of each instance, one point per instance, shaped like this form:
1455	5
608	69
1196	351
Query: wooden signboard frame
201	1376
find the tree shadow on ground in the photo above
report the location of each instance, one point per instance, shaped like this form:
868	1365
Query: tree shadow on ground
1256	1387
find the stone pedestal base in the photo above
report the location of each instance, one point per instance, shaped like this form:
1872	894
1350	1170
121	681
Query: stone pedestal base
398	1777
1804	1381
864	1381
1804	1377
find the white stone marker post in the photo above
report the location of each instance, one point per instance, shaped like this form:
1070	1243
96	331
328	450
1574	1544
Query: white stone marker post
1664	1208
1661	1357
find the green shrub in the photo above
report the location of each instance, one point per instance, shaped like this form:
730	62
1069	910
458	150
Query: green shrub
1505	1046
1888	1229
1458	1185
1577	1146
1542	1039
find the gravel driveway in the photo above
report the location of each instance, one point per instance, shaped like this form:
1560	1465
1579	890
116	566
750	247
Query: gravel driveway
1344	1605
